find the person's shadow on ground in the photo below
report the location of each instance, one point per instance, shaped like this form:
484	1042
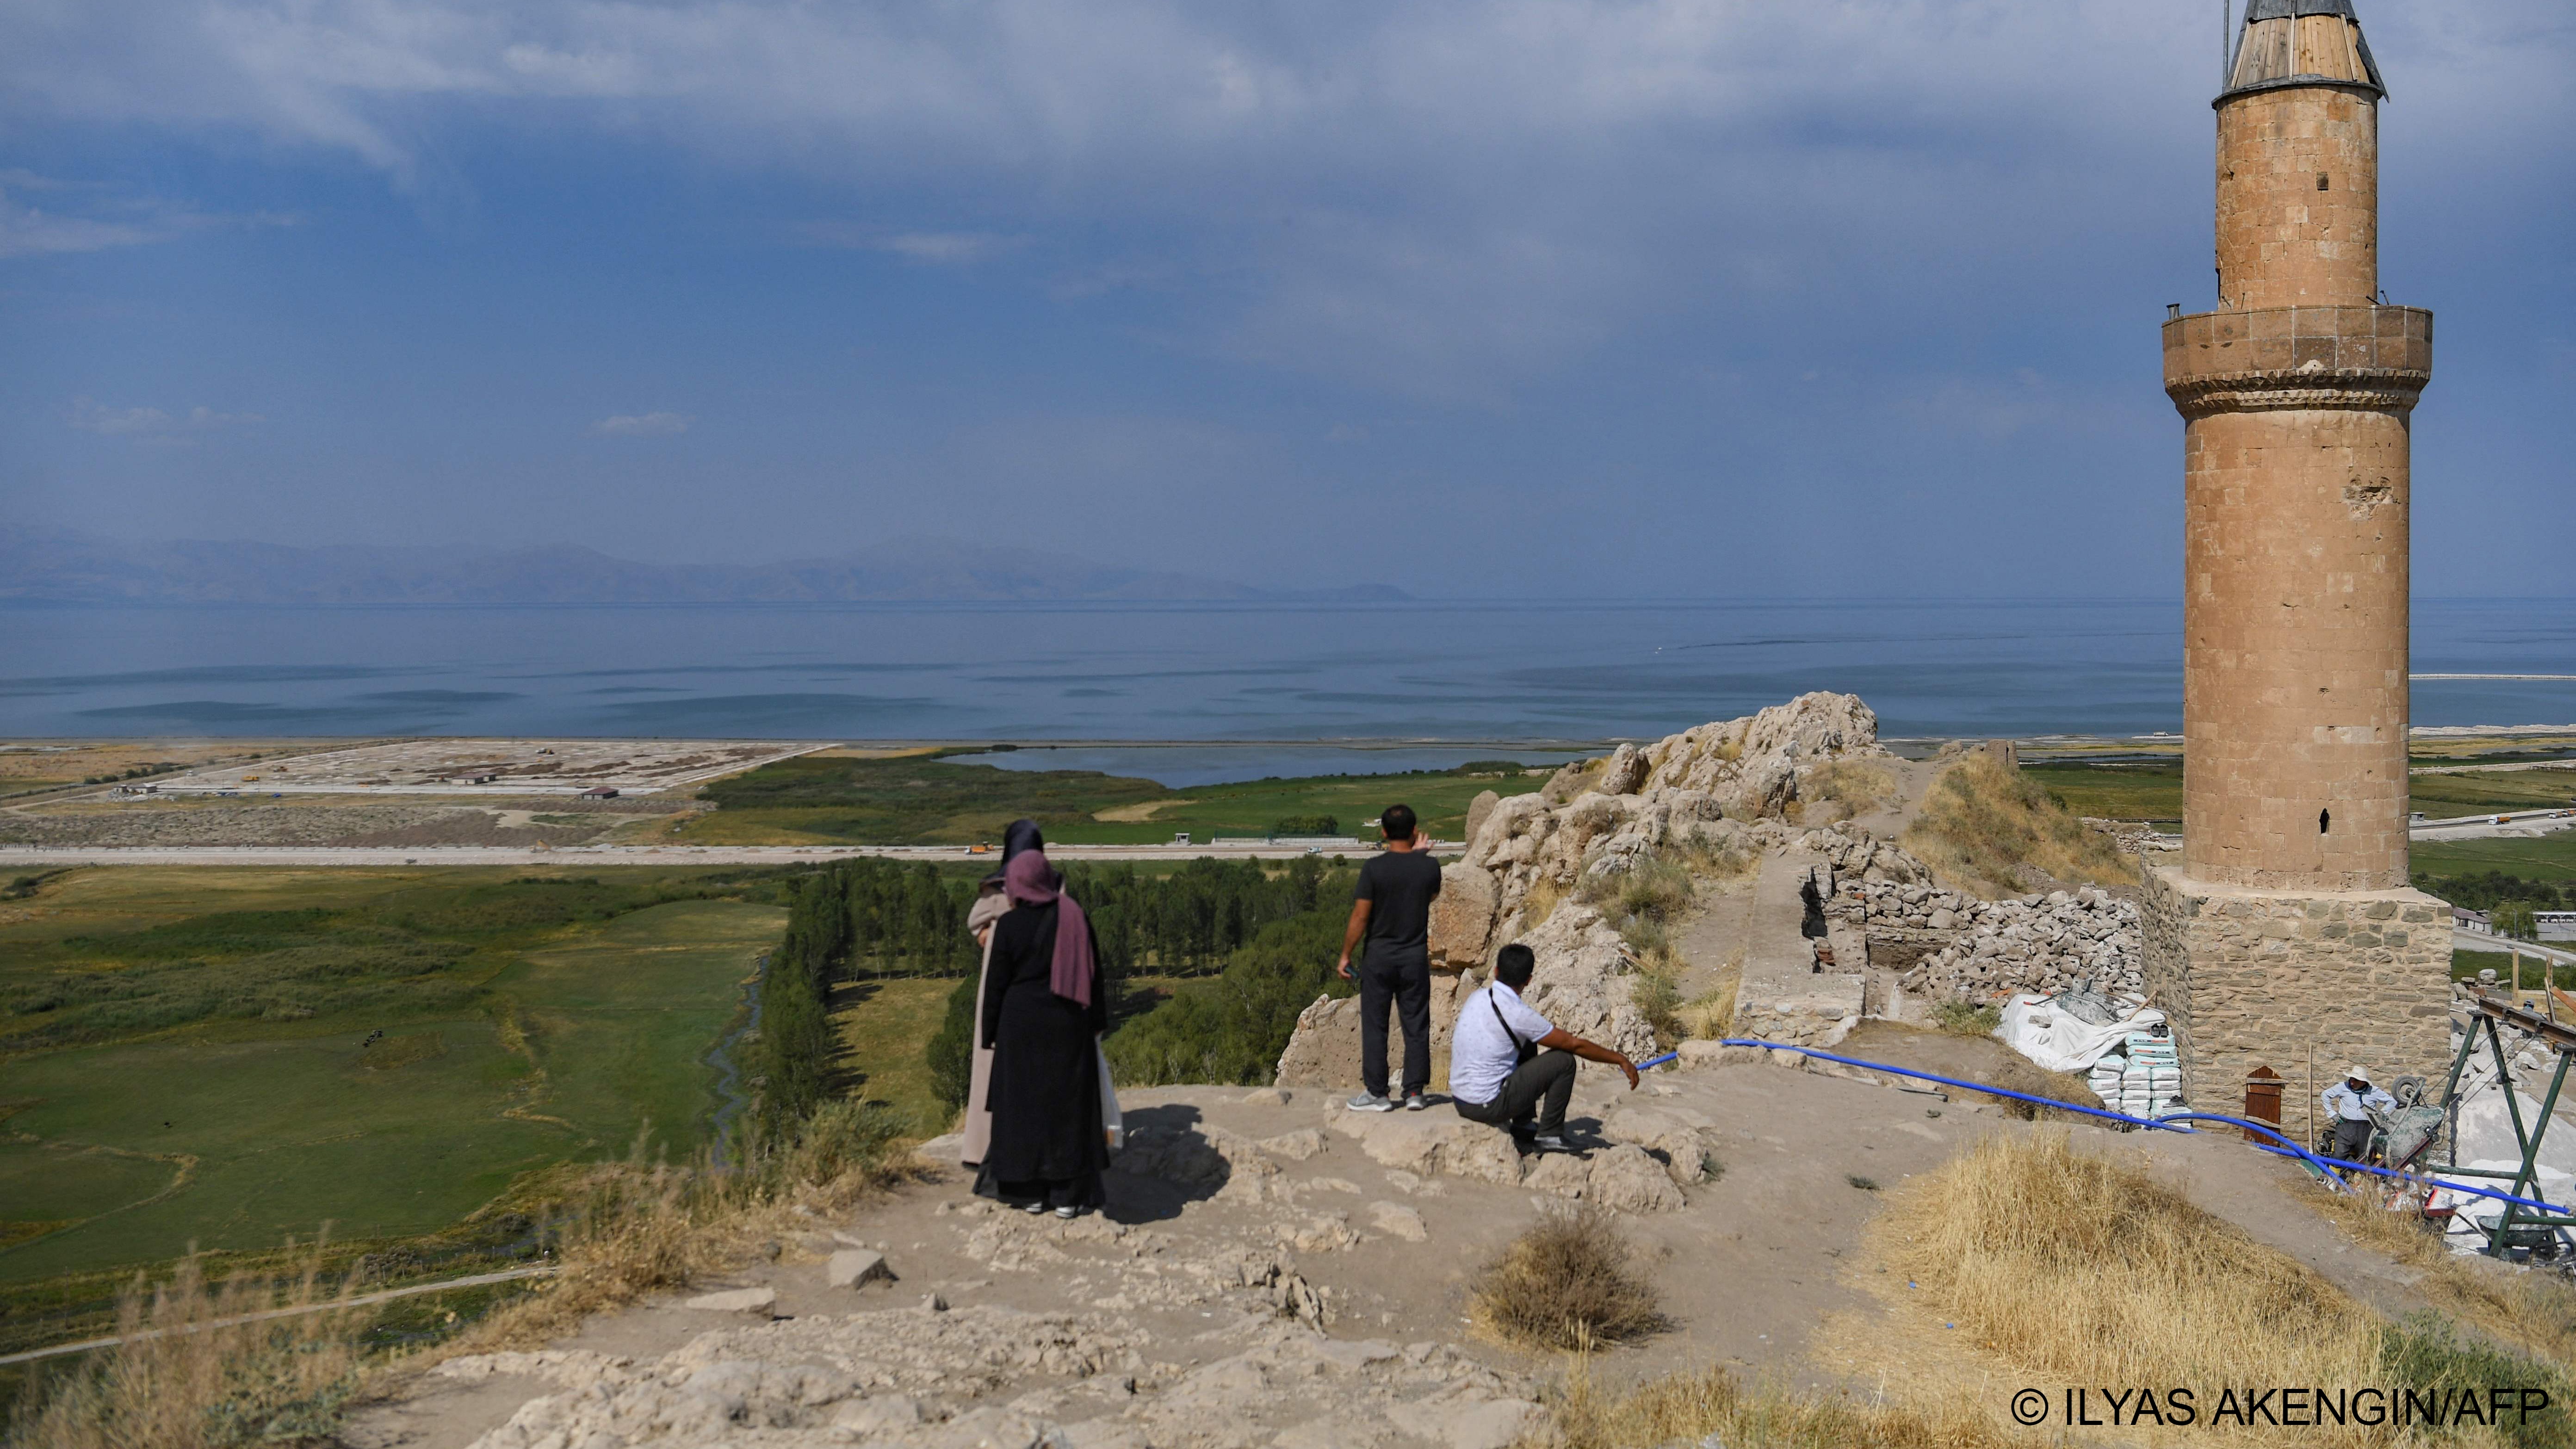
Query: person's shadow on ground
1167	1164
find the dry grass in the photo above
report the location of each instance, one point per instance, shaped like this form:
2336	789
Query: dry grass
1653	892
2019	1073
2079	1270
1570	1282
1858	785
1982	821
1544	897
1712	1407
622	1230
2535	1312
2083	1268
198	1381
639	1227
1708	859
1644	903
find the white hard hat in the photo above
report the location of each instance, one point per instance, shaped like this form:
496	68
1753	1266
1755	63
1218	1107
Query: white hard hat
2355	1074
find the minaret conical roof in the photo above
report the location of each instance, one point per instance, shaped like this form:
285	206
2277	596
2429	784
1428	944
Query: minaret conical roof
2302	43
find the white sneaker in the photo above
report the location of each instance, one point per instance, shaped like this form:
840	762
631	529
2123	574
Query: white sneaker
1416	1102
1369	1102
1068	1213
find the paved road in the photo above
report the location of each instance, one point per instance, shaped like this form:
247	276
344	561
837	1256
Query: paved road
2498	945
2525	824
59	857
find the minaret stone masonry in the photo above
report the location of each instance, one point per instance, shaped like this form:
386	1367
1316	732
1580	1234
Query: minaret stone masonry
2289	926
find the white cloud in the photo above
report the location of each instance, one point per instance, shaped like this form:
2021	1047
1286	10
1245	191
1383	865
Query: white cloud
111	219
940	248
946	247
1431	196
150	423
642	425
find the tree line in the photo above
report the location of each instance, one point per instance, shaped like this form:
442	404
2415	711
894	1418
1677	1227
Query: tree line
1239	922
910	920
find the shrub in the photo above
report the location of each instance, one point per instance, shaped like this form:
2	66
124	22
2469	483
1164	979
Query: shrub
2427	1354
1961	1017
1308	825
1658	998
1570	1282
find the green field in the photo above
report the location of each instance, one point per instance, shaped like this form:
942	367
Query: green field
928	800
2483	792
2115	790
185	1054
2546	857
2152	790
883	1024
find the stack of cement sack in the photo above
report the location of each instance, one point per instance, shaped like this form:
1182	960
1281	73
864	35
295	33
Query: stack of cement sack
2142	1077
2031	943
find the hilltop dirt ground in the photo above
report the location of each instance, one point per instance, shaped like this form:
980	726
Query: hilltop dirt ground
1275	1270
1180	1317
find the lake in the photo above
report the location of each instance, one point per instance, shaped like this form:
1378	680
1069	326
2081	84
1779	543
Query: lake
1432	671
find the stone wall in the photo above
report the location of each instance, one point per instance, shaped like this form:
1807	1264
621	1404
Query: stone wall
2254	977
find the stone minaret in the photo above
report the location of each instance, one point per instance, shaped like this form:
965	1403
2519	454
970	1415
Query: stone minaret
2289	924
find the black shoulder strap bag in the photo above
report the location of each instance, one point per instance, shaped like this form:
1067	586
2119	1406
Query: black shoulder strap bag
1522	1051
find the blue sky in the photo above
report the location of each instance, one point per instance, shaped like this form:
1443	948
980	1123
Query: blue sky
1483	298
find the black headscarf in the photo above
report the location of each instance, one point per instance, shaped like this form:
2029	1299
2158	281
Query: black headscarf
1022	835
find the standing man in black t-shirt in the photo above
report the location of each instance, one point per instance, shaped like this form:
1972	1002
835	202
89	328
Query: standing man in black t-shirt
1393	913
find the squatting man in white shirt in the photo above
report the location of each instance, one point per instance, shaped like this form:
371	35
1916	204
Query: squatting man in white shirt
2350	1100
1508	1063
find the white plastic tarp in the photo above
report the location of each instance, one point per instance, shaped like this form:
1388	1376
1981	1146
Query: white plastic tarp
2034	1026
2486	1128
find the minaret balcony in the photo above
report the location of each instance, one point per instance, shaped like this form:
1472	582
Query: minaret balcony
2298	357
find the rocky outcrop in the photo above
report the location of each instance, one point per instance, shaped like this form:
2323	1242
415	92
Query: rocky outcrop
1653	1153
1715	793
1324	1051
1462	918
1700	789
922	1378
1583	982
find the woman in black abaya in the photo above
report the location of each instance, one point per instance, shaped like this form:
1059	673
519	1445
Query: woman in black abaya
991	901
1043	1013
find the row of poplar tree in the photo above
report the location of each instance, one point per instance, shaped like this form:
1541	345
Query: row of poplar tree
861	918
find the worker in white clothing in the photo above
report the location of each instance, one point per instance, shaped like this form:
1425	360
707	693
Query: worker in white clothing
1509	1065
2350	1101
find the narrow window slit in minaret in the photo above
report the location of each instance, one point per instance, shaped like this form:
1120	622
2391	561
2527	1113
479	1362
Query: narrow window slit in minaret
2321	181
2324	819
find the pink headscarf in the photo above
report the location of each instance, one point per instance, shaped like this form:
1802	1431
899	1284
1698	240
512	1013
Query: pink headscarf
1031	881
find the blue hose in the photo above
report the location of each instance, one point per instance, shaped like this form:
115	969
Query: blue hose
2287	1147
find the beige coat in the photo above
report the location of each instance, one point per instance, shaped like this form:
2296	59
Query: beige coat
978	1125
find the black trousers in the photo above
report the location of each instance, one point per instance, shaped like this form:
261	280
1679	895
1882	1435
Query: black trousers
1544	1083
1405	984
2351	1139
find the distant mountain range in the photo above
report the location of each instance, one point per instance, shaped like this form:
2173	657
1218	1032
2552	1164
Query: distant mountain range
70	568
